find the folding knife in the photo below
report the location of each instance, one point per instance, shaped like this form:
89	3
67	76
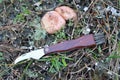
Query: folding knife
84	41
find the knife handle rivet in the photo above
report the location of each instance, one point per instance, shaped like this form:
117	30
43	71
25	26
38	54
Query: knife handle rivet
46	49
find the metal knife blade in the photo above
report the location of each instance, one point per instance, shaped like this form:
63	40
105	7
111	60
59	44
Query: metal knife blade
36	54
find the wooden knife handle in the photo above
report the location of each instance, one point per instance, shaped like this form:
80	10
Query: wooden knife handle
84	41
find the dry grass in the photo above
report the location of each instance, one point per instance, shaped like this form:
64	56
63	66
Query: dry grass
99	63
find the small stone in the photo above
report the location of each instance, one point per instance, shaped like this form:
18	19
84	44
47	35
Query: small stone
85	9
86	30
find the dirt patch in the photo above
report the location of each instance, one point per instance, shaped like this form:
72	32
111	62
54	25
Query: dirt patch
21	32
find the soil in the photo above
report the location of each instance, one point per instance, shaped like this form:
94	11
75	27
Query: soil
20	20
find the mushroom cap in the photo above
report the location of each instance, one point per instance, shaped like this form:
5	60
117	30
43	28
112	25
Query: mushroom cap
66	12
52	22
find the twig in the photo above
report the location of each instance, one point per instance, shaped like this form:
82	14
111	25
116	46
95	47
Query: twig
8	48
9	27
81	69
90	6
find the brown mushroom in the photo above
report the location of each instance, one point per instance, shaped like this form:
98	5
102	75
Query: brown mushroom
66	12
52	22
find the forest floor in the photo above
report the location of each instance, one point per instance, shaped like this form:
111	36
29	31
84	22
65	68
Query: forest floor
20	32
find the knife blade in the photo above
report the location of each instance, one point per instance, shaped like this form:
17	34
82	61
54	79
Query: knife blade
36	54
81	42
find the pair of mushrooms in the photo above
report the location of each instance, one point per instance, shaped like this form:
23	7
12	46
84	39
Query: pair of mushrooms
53	21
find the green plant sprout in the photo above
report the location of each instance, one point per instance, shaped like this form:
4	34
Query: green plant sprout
1	1
39	32
57	62
116	54
1	56
21	17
